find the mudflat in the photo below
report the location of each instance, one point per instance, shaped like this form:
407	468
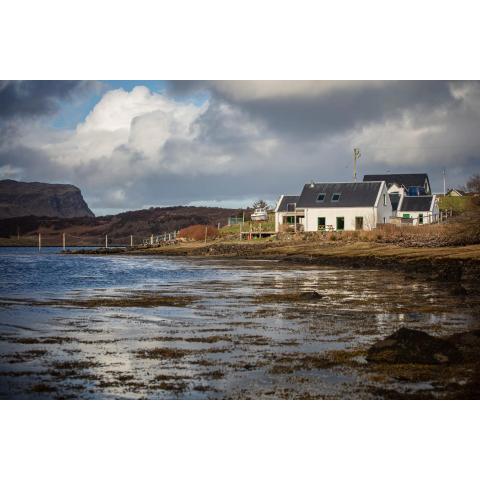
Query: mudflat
146	326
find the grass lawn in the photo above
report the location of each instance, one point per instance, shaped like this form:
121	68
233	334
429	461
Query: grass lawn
266	226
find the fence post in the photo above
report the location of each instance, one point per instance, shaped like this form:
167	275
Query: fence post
39	241
206	230
131	240
63	240
106	241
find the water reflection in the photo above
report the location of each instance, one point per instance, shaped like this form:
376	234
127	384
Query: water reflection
238	337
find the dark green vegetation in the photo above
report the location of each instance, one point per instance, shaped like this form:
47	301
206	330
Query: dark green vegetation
457	205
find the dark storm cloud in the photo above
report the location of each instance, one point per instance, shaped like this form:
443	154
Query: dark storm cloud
341	110
332	111
31	98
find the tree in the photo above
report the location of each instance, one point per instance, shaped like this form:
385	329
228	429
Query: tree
473	183
260	204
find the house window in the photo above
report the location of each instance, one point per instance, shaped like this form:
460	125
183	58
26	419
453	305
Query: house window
290	220
420	218
340	223
384	200
321	197
358	223
321	222
291	207
406	215
336	197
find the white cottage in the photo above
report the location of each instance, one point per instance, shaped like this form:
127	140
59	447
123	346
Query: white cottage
335	206
418	210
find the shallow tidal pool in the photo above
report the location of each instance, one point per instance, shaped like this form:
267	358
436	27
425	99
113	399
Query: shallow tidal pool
132	327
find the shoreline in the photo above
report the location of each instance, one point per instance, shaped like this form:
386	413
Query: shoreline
333	325
447	264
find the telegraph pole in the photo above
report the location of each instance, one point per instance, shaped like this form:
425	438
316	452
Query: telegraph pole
444	183
356	156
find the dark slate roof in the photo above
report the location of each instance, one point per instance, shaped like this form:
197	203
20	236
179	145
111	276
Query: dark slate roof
416	204
285	200
405	179
394	200
360	194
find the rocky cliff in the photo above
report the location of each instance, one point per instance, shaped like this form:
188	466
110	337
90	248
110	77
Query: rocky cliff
20	199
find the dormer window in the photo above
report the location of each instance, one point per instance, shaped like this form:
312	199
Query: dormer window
291	207
336	197
321	197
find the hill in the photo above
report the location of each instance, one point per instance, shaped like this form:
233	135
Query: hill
92	230
21	199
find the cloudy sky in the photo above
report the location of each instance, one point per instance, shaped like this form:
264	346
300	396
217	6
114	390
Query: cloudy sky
135	144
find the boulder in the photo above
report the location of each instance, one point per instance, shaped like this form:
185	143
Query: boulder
458	291
311	295
415	347
468	343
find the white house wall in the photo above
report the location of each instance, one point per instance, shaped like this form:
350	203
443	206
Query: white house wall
428	217
383	212
331	214
278	220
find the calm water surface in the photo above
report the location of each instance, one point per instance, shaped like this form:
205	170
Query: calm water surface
238	335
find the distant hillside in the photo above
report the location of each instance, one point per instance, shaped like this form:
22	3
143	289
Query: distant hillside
21	199
139	223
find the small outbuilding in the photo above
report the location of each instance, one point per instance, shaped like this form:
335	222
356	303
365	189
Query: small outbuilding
418	210
455	192
286	214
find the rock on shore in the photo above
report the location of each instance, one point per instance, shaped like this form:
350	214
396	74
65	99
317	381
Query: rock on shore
414	347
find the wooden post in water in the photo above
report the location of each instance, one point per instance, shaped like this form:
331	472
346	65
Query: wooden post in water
39	241
63	240
131	240
106	241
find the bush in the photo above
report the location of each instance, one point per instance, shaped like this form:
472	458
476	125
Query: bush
197	232
457	205
466	228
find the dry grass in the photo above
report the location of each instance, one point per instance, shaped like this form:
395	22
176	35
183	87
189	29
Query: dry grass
198	232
